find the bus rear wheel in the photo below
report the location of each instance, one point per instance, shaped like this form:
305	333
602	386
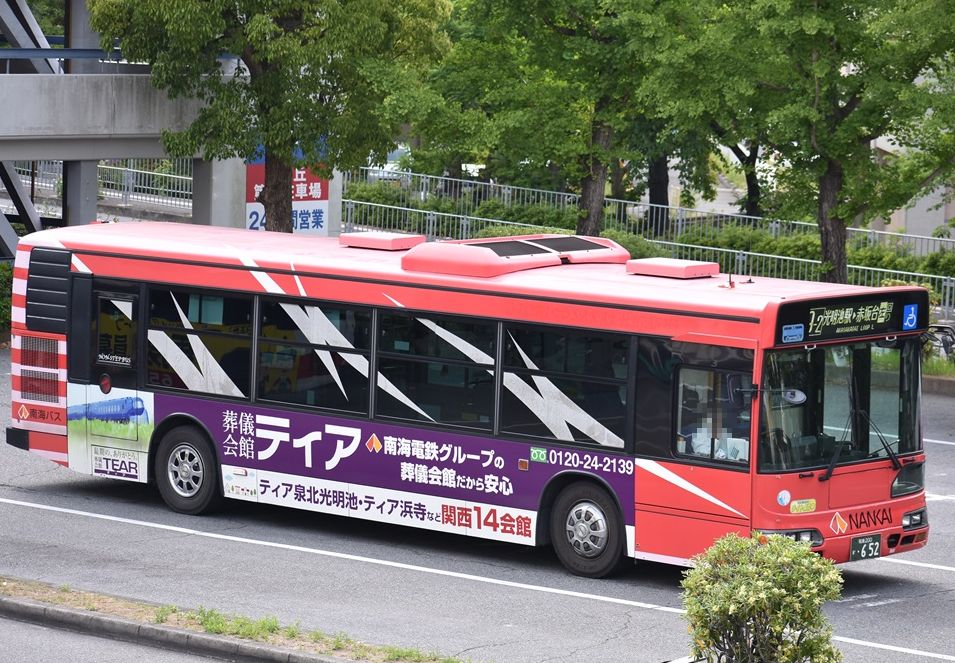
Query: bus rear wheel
186	472
586	531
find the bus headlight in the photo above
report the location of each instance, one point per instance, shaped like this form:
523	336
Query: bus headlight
915	519
811	536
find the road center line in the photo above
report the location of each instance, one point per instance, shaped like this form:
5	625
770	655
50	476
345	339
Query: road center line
951	444
440	572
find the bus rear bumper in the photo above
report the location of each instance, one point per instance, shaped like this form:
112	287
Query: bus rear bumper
19	438
49	445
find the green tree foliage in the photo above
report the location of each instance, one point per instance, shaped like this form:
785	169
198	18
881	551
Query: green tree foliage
571	69
747	601
817	84
49	14
313	78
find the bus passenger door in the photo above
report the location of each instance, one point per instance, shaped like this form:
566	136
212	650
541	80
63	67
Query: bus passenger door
114	421
694	485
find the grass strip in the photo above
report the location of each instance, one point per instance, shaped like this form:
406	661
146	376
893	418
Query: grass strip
266	630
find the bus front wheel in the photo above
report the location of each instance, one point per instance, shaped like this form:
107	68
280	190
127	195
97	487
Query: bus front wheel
586	531
185	471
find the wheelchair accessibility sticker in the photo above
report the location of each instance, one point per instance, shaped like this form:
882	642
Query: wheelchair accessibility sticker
910	316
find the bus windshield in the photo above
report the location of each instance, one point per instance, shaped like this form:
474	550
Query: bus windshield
839	404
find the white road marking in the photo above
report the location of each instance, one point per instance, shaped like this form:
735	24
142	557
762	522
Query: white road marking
345	556
900	650
440	572
857	597
924	565
932	497
951	444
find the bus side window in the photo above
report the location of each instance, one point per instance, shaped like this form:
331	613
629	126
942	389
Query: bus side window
711	422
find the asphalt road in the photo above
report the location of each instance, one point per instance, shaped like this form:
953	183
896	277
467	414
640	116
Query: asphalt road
478	600
30	642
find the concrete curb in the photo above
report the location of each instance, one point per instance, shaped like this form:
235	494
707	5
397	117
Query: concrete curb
153	635
936	385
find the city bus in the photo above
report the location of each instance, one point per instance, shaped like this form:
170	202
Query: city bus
537	389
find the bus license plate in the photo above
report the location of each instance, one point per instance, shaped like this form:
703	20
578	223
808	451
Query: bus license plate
865	547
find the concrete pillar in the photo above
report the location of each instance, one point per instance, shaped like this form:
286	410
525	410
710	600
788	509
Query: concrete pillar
79	192
79	177
218	193
335	204
79	34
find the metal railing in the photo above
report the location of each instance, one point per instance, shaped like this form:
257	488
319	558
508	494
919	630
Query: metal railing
57	57
414	190
168	182
161	182
360	215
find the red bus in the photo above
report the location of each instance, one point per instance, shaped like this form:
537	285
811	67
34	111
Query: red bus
537	389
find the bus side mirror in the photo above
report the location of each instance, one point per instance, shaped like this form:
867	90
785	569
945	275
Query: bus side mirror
741	393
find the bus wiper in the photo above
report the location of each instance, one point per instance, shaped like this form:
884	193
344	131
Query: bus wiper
846	435
885	444
838	451
825	476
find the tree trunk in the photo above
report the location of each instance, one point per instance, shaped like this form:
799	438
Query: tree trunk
832	229
276	197
658	188
618	182
752	201
592	187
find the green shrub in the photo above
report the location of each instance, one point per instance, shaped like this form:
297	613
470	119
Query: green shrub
941	263
507	231
798	245
635	244
6	284
736	237
537	215
748	601
881	256
380	193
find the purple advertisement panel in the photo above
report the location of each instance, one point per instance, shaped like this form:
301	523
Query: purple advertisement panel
392	473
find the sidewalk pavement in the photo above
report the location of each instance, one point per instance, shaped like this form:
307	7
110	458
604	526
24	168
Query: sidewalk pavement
154	635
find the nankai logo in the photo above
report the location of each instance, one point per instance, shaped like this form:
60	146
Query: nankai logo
860	520
838	524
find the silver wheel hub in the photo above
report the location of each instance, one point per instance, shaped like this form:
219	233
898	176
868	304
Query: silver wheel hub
586	529
185	470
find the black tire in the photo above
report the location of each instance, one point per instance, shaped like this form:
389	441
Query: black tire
186	471
586	531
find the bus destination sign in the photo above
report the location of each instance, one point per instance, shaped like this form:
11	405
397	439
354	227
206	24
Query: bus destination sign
821	320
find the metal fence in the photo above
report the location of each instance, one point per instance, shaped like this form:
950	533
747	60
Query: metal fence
360	215
462	196
161	182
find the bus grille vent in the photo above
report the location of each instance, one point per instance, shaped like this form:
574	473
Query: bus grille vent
39	352
47	290
39	386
